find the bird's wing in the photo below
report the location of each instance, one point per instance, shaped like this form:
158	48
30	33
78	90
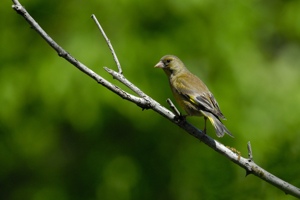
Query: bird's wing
210	103
194	90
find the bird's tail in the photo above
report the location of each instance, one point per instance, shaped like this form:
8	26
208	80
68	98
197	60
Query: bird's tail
219	127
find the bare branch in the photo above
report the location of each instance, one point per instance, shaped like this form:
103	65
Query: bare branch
249	151
61	52
109	44
147	102
122	79
173	107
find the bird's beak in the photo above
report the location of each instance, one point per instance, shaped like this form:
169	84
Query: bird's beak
160	64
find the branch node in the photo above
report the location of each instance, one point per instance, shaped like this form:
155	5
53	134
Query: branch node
18	8
248	171
250	159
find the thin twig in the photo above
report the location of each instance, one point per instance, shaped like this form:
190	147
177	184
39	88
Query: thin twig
148	102
123	80
173	107
109	44
249	151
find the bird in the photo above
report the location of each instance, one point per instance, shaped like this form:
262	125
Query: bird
192	94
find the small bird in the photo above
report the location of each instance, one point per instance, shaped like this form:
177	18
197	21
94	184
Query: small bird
192	94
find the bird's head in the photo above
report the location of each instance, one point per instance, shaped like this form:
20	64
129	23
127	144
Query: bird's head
170	64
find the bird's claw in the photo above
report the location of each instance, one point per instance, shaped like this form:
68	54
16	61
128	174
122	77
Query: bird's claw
180	118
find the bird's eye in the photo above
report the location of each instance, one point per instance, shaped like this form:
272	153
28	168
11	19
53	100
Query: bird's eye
168	61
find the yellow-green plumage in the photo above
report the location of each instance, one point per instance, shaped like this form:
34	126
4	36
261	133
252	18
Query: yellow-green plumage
192	94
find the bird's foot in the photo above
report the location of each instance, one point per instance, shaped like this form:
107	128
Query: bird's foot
180	118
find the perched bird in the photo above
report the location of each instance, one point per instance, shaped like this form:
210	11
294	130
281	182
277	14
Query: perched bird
192	94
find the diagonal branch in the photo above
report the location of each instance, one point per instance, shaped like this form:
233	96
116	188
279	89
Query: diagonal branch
109	44
173	107
146	102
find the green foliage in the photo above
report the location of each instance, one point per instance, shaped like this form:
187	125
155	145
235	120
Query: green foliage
62	136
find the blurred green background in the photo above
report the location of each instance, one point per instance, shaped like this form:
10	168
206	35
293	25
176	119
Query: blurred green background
63	136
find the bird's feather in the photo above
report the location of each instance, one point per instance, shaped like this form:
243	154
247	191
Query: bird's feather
200	96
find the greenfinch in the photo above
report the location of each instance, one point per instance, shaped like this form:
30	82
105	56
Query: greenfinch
192	94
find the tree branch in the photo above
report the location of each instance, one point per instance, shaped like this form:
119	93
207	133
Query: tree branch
146	102
109	44
173	107
249	151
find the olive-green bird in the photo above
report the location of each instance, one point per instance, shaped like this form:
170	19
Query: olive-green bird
192	94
